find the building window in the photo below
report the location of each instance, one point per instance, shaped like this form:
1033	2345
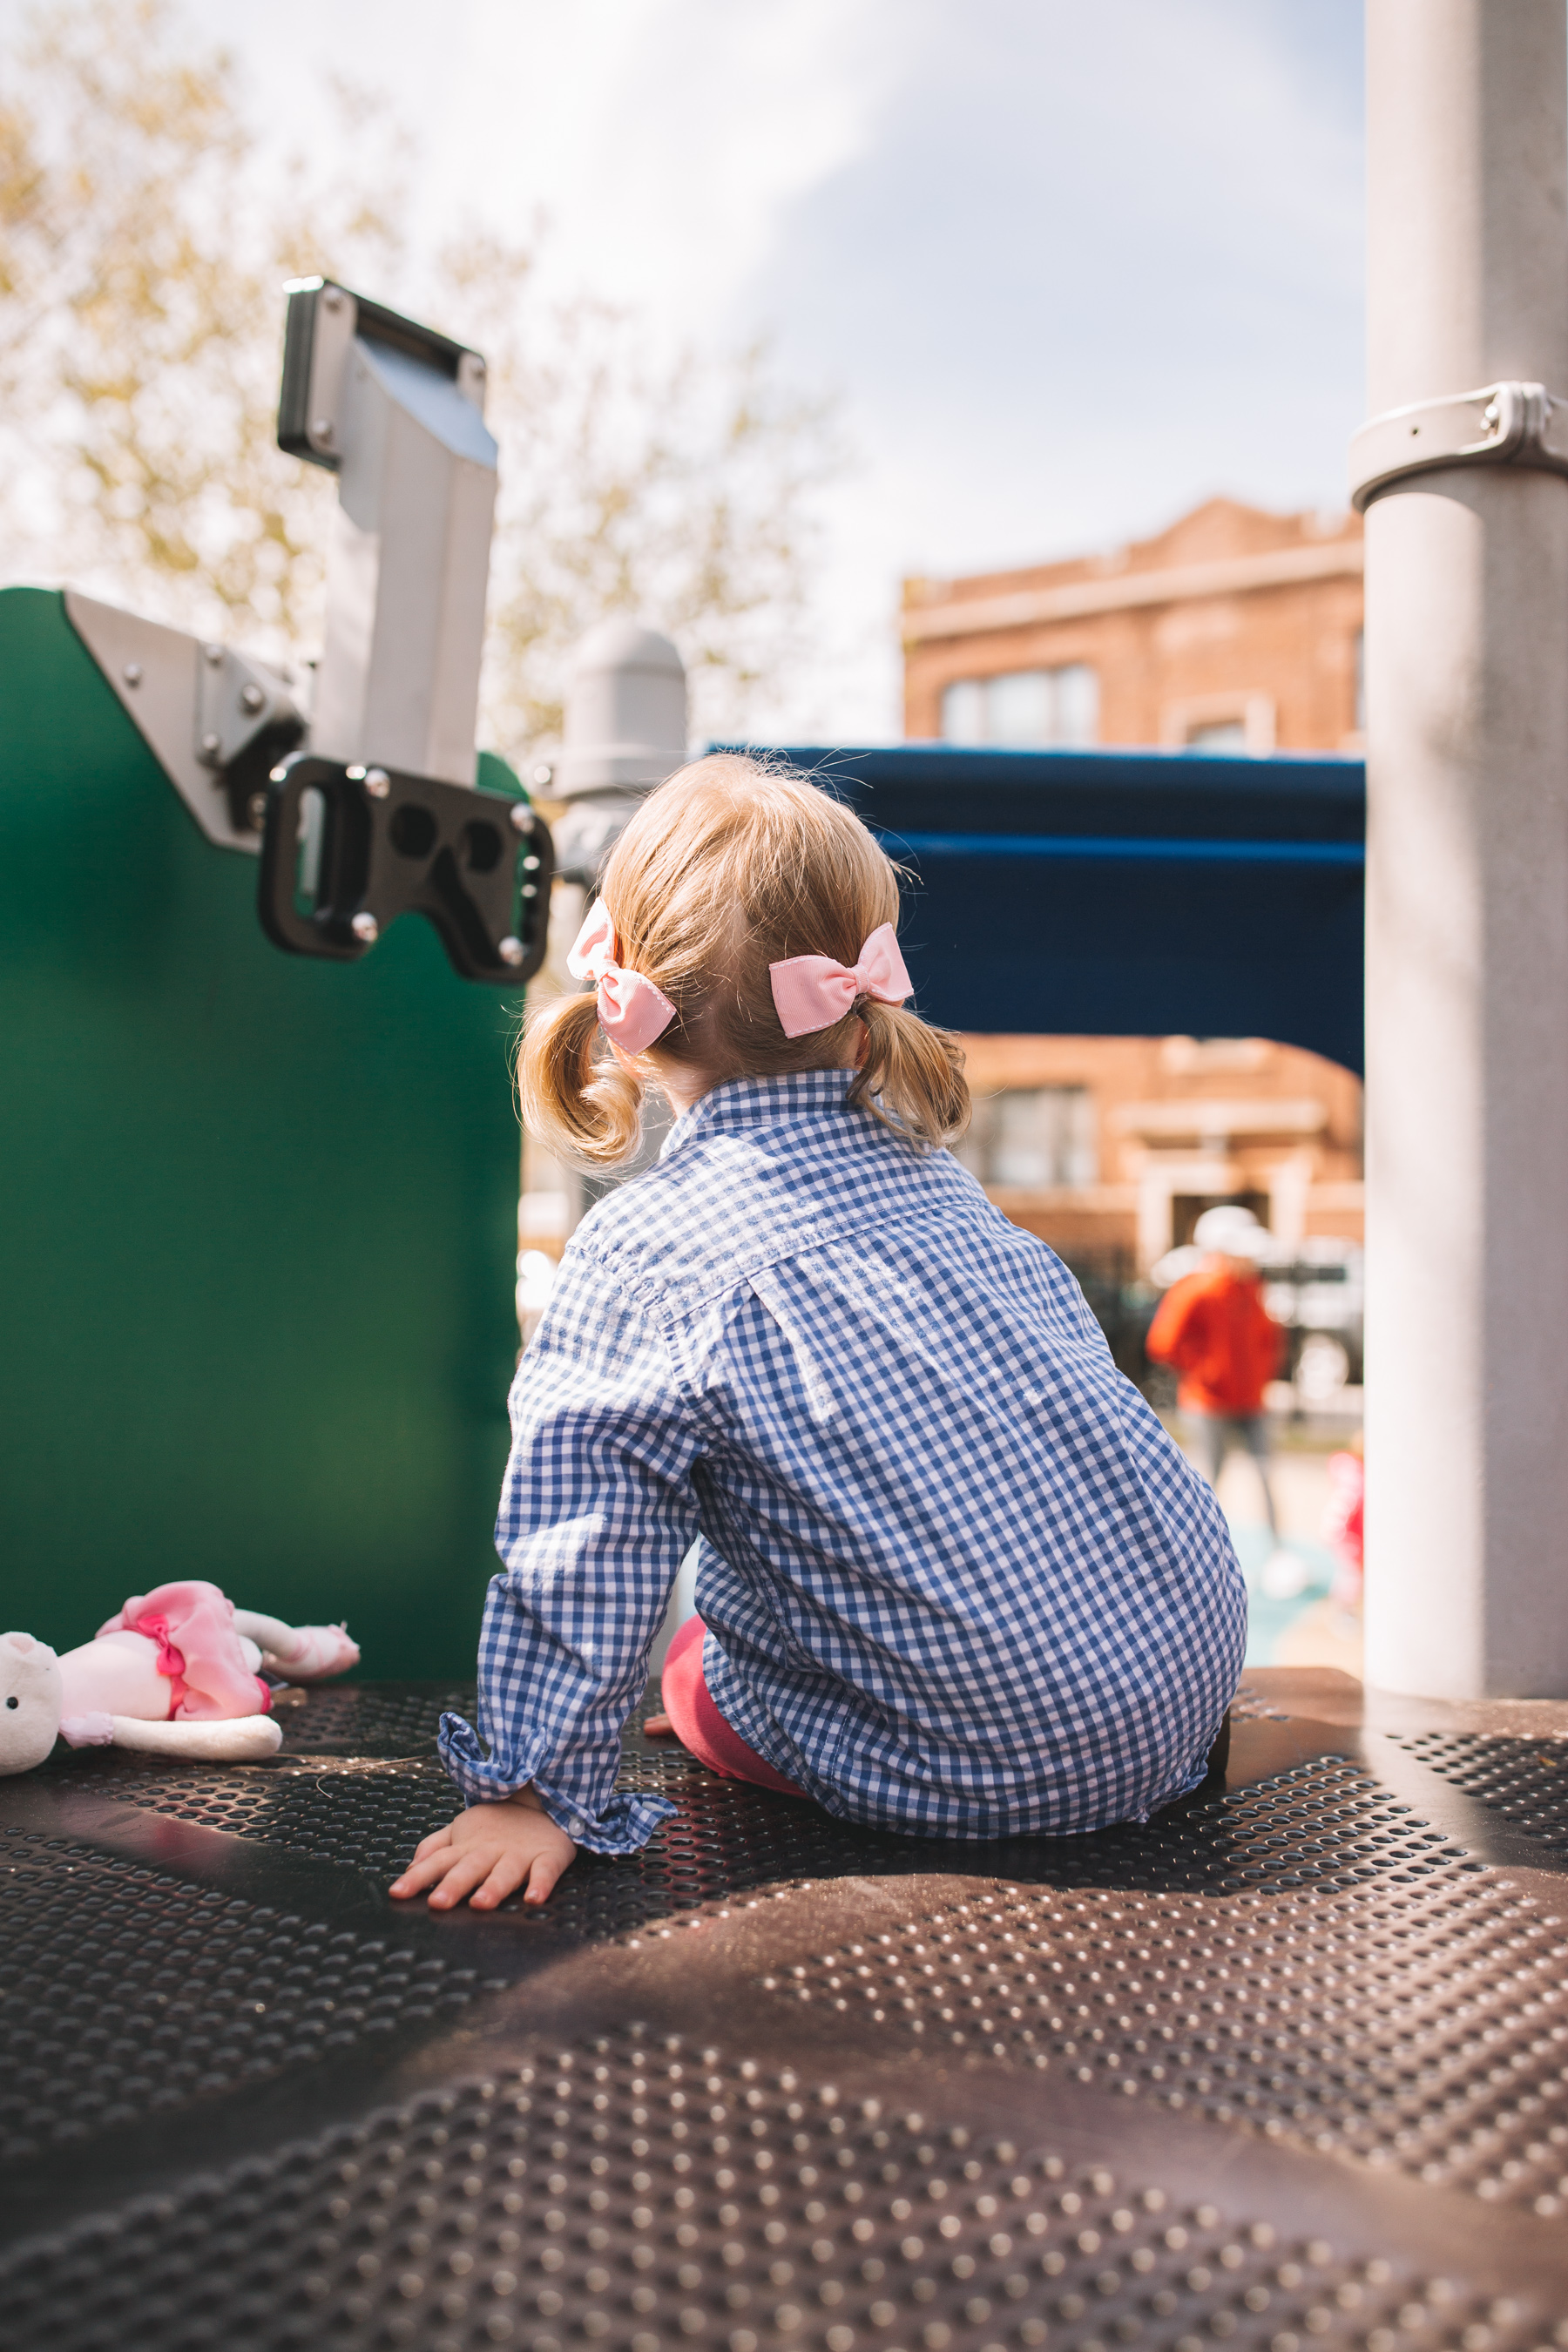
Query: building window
1025	709
1188	1057
1219	735
1033	1139
1229	723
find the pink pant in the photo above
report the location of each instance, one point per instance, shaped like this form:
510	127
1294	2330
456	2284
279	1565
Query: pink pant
700	1726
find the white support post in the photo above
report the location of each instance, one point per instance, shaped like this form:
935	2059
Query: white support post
625	732
1467	659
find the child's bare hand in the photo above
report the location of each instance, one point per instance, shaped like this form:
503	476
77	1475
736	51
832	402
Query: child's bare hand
658	1726
486	1854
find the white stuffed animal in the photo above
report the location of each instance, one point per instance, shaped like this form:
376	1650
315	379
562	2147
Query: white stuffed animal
177	1672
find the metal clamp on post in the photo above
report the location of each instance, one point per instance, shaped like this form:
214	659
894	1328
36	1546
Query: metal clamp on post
1500	424
349	848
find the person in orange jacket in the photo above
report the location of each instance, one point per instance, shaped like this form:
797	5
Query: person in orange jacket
1213	1328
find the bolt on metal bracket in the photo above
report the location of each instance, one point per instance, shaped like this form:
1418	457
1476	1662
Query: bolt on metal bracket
1505	424
238	700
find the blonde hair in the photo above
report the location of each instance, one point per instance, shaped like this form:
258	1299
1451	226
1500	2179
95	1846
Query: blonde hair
728	867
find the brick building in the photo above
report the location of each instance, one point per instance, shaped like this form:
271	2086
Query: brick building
1110	1148
1235	631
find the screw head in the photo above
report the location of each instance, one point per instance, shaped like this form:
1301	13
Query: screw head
377	783
133	673
321	427
256	809
366	928
511	951
543	774
331	298
522	816
251	697
277	775
211	745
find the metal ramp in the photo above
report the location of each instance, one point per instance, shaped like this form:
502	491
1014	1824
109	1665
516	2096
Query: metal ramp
1285	2067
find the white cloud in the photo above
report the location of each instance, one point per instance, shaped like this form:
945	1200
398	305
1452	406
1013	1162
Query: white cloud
665	138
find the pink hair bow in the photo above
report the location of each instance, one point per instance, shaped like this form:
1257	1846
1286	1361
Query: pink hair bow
812	992
632	1011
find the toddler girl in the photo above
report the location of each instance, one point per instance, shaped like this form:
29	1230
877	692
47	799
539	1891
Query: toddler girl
953	1578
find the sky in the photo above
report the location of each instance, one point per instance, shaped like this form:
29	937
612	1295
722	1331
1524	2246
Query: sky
1065	270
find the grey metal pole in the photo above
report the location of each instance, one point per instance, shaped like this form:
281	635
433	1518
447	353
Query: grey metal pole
1467	665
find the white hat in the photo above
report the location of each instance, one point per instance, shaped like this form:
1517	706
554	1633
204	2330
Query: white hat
1231	1230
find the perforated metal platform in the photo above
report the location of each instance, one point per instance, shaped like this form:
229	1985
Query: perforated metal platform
1286	2066
1526	1779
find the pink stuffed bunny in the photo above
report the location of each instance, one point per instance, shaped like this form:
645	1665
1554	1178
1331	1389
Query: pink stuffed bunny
177	1672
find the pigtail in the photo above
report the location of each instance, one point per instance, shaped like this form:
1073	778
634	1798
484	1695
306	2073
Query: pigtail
913	1077
581	1104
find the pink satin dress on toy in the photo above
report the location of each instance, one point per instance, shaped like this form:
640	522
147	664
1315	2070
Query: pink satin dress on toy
171	1656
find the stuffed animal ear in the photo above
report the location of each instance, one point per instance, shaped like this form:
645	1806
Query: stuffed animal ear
26	1645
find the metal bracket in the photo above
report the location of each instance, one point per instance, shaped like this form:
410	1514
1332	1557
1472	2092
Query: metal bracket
322	323
214	721
1502	425
395	411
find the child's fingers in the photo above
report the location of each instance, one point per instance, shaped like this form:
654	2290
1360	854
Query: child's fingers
463	1875
545	1869
505	1878
431	1862
658	1726
422	1872
418	1873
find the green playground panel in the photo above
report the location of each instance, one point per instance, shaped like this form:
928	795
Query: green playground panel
257	1218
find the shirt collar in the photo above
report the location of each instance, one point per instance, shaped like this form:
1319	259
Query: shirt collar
741	1103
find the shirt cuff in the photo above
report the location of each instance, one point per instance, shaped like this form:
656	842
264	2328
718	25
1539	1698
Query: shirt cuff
623	1825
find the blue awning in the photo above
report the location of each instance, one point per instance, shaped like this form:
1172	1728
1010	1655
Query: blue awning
1123	893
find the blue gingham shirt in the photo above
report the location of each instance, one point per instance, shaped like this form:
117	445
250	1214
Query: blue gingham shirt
957	1579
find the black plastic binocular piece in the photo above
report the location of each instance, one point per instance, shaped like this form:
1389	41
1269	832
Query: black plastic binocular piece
346	850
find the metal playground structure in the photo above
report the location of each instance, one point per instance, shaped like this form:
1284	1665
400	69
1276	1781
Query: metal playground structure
1285	2066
